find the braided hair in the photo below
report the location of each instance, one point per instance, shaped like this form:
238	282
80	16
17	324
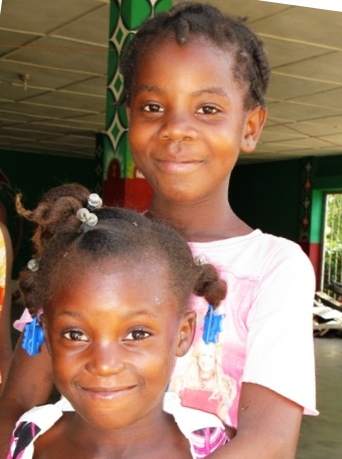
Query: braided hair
63	248
189	20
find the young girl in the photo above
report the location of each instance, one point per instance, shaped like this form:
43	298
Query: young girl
194	87
114	290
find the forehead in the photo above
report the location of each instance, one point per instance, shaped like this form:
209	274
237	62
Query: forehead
113	281
195	47
199	62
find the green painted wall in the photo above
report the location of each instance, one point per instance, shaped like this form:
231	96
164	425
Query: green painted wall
32	175
268	196
328	173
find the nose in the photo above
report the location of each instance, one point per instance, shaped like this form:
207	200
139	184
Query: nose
178	127
105	359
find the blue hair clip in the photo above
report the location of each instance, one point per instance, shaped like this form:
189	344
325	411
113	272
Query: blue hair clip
33	337
212	326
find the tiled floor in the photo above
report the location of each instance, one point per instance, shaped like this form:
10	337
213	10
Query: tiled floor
321	437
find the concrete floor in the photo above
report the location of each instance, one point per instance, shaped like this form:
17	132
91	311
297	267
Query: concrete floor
321	437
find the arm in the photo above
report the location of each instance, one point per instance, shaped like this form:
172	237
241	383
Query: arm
29	383
269	426
5	314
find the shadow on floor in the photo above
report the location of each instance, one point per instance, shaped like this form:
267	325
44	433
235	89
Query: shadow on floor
321	437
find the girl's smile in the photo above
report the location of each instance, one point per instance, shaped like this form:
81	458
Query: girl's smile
106	393
177	165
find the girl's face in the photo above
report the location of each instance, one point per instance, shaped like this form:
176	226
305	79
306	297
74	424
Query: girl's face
113	333
187	120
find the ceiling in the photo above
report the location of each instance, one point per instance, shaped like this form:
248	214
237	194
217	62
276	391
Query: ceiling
53	63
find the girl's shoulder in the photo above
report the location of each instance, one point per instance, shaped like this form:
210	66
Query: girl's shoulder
255	238
33	424
251	255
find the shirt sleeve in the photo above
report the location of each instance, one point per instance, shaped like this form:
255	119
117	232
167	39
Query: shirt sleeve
280	351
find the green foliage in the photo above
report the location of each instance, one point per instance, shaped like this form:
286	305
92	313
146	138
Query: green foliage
333	240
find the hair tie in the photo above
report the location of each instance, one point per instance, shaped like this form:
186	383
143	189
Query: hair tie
212	326
94	202
33	265
87	218
33	337
201	260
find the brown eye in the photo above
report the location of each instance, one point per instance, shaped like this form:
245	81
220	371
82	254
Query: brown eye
152	108
208	110
75	335
137	335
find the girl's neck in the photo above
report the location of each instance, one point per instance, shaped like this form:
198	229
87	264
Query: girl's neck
127	442
200	222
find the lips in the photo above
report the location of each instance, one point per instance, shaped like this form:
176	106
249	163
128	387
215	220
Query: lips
177	164
100	392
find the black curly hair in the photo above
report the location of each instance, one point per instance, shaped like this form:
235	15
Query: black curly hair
189	20
62	248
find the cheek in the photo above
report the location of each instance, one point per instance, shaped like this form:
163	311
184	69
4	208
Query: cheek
158	366
134	142
140	136
62	378
65	362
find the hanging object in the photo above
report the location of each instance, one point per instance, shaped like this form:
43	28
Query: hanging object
24	77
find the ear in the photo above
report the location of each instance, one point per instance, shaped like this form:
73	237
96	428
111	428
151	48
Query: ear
186	331
43	321
255	121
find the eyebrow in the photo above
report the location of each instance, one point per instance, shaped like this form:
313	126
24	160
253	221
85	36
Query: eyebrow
142	313
150	88
133	314
211	90
69	313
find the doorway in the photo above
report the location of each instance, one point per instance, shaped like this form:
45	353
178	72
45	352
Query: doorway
332	242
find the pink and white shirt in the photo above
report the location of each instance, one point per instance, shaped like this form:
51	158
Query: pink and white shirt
266	335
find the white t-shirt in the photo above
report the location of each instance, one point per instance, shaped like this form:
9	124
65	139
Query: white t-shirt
266	335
